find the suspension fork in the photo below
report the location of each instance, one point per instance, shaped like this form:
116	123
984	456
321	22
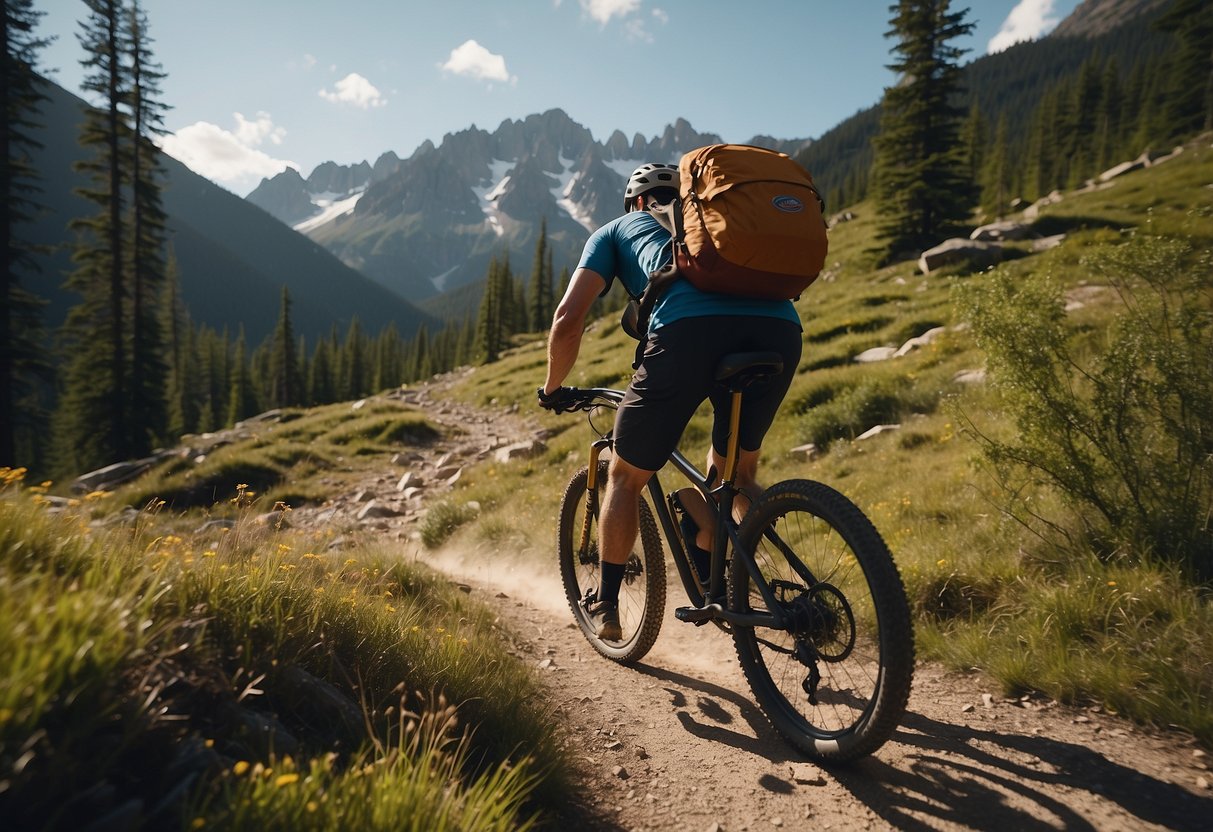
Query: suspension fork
591	495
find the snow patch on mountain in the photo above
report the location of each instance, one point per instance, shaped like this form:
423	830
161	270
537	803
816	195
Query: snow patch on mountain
440	280
331	207
499	178
567	179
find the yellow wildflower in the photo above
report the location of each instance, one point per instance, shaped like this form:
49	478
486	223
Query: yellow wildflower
286	779
240	768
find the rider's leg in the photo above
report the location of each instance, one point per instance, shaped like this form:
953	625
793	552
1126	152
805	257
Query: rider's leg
703	515
619	523
745	479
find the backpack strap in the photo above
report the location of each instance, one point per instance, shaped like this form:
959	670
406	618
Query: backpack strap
635	320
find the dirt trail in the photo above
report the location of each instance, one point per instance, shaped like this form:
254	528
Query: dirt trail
676	743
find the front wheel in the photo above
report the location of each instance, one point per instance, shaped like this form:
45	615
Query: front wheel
835	682
642	595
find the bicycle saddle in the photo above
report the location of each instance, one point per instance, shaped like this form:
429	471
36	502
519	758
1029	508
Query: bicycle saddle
740	369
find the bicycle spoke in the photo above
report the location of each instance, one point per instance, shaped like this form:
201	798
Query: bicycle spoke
824	681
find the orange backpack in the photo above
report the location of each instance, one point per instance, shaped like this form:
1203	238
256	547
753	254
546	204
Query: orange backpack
750	222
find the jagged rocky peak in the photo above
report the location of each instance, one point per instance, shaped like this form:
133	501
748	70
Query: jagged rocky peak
284	196
330	177
386	165
528	194
616	146
470	152
434	189
678	138
547	136
1096	17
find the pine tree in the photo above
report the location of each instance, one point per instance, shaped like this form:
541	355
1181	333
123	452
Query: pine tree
1190	97
420	365
488	319
388	363
353	362
974	137
284	363
22	361
539	299
148	234
242	403
181	385
922	188
1108	119
320	387
996	175
93	408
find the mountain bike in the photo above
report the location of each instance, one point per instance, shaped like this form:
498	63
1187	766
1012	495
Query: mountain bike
804	584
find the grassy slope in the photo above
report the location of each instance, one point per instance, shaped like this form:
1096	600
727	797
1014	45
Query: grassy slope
153	665
1133	638
205	668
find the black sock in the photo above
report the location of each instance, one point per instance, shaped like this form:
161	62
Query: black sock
612	578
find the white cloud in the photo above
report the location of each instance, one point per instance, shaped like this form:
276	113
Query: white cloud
253	133
1027	21
229	158
604	10
473	60
356	90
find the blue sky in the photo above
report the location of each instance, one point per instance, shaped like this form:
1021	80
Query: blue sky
260	84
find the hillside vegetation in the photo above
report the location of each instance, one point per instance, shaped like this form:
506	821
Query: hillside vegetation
1008	572
200	664
179	656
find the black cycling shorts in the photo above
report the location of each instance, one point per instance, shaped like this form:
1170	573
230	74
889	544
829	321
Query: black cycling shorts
678	372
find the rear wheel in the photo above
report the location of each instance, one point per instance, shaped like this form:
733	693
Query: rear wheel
836	683
642	595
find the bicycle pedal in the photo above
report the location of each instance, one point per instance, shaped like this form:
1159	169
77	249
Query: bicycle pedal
698	615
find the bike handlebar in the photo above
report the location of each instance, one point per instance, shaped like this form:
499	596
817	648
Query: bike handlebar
587	398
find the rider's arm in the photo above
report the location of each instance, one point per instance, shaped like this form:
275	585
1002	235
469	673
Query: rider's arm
564	341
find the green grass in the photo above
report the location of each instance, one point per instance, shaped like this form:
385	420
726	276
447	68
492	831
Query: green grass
987	593
284	460
158	670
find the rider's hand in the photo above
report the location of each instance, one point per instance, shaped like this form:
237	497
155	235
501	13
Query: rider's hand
552	401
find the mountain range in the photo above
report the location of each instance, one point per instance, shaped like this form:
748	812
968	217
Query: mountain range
430	224
232	258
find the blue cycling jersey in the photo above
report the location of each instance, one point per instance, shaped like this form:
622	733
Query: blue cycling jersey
632	246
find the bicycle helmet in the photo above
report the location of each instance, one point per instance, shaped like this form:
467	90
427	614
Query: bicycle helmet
647	177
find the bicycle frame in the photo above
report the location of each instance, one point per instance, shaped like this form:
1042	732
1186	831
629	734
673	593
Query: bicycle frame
709	606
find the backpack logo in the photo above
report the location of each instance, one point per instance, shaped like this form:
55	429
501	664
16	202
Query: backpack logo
788	204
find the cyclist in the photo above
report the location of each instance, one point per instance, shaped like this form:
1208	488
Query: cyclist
689	331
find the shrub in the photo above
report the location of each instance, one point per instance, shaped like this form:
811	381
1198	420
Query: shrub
1121	426
442	521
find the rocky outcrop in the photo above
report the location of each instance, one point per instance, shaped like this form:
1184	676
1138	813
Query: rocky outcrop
976	254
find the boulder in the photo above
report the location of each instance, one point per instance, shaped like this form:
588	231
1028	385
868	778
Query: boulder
840	217
103	479
520	450
1001	231
1123	168
1033	210
1046	243
808	451
876	354
376	509
970	377
876	430
920	341
410	480
959	250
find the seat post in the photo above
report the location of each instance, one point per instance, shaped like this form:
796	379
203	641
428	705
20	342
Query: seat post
730	463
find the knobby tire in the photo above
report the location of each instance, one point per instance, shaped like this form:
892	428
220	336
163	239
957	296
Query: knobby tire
865	681
642	596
